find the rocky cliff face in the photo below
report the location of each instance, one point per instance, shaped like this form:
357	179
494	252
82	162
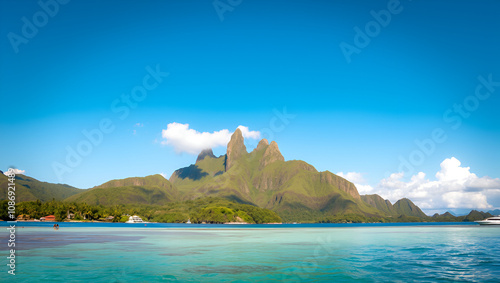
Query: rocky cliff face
272	154
379	203
263	144
235	149
341	183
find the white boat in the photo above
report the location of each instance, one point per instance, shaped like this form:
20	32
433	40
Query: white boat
189	221
135	219
490	221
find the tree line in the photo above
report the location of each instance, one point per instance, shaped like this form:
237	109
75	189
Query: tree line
208	210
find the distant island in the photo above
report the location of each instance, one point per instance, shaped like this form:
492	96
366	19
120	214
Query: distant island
238	187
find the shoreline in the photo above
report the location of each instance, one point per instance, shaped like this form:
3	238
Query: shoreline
182	226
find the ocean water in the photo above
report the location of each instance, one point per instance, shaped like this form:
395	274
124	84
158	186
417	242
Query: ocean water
82	252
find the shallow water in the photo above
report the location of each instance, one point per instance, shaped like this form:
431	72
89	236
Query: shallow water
395	253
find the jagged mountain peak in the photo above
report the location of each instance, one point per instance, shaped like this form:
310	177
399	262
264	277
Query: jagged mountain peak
274	144
272	154
235	148
238	134
204	153
262	144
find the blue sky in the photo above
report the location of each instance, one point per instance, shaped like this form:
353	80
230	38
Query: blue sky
238	68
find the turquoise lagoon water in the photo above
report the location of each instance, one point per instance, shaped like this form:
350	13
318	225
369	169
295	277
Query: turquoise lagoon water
94	252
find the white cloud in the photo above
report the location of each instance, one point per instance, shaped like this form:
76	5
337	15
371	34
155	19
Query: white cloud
451	171
163	175
354	177
466	200
358	180
247	134
16	171
454	187
184	139
364	189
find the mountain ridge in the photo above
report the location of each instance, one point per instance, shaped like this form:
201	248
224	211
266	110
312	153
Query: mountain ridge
153	189
30	189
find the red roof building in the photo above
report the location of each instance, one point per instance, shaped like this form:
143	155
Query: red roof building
50	218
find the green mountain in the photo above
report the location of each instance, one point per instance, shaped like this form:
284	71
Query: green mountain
205	153
30	189
379	203
402	207
293	189
153	189
408	208
206	168
446	217
447	214
476	215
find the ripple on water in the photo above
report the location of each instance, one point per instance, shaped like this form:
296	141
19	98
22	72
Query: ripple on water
181	254
229	269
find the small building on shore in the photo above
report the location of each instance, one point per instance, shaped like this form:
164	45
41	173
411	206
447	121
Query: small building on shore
48	218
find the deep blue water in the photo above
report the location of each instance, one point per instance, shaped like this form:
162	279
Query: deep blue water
106	252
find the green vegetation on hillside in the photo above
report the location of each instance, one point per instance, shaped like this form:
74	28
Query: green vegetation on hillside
138	190
407	207
379	203
209	210
30	189
206	210
188	179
